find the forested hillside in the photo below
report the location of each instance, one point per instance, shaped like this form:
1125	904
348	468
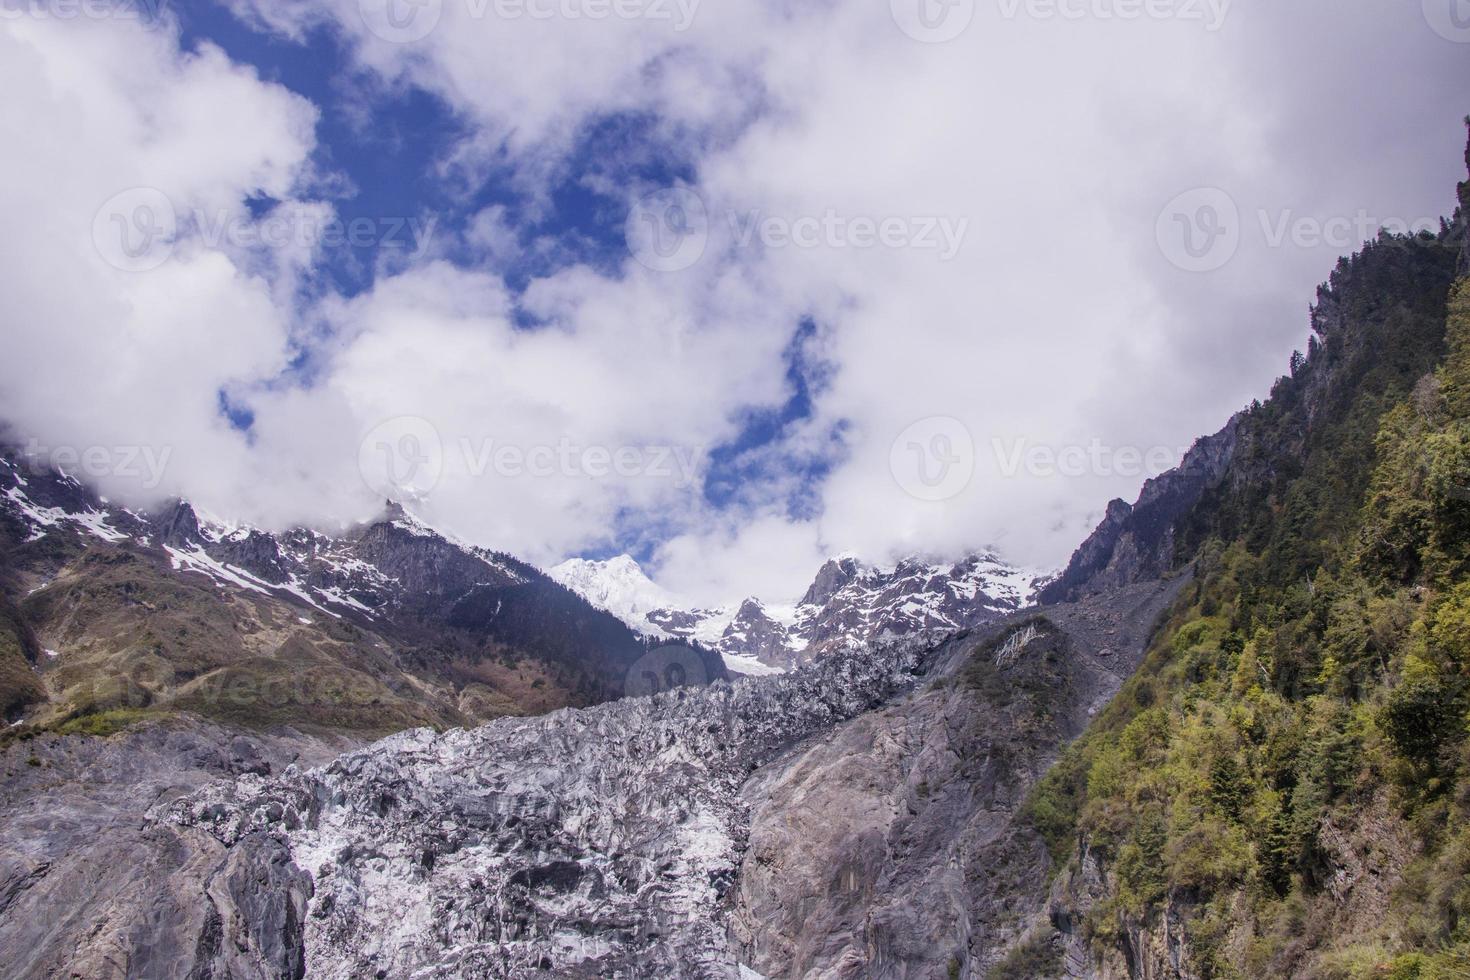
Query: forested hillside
1283	789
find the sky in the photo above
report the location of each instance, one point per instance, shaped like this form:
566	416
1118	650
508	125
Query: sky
730	287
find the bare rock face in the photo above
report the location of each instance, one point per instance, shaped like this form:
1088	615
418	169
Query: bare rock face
1137	543
889	846
91	887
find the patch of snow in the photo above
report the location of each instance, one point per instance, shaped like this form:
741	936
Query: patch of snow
94	522
197	560
341	598
749	666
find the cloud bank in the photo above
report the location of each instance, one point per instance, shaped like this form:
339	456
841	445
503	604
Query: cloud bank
890	294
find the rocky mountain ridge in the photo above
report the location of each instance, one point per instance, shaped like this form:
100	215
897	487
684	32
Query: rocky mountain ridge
386	625
848	603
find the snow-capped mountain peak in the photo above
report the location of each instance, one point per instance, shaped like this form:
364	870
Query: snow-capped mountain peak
617	585
849	601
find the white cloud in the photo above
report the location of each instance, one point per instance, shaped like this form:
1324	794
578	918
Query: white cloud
96	355
1059	322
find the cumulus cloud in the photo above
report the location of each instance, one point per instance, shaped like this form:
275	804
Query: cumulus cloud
121	328
979	232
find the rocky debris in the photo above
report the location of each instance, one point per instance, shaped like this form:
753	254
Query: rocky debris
854	817
599	842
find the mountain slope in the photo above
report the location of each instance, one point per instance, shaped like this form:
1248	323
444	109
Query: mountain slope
1283	788
384	626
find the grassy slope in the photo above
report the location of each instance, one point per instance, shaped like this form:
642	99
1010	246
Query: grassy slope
1301	721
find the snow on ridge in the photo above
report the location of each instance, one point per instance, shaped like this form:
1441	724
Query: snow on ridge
618	586
92	521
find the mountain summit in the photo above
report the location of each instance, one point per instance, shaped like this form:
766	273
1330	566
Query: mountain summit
848	603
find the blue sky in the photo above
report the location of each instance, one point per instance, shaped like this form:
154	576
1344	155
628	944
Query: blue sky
778	381
384	159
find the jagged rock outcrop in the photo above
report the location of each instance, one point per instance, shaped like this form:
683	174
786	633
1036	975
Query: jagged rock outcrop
1137	543
830	579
